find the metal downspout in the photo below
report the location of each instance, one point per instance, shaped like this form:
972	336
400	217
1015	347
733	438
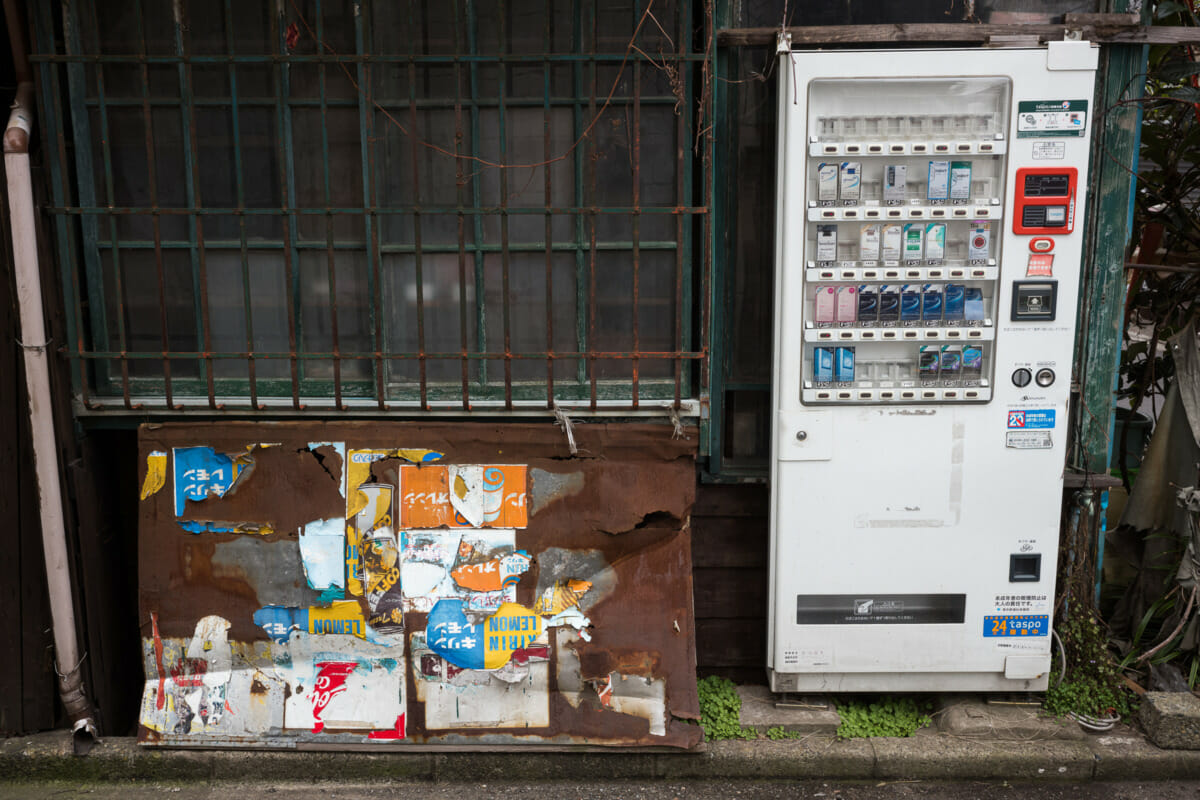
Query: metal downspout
34	344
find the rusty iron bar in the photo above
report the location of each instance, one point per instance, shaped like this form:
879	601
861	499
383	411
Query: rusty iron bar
548	196
461	183
680	184
505	263
331	262
636	221
592	156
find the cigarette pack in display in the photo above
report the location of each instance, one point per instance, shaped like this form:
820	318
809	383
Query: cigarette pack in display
825	305
889	304
929	362
895	184
823	364
973	305
847	304
960	180
910	302
914	240
979	240
868	243
935	241
972	363
892	242
843	365
826	242
827	182
951	365
851	180
868	305
931	303
953	302
938	186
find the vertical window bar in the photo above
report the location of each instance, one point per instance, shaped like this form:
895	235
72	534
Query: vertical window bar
504	254
460	182
592	206
682	197
155	218
547	45
50	110
287	187
636	148
366	139
240	187
194	200
708	98
331	263
418	273
481	337
578	159
81	134
114	236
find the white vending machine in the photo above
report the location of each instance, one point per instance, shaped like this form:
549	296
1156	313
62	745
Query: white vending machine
929	239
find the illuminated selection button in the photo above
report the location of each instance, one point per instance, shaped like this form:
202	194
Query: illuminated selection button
1044	377
1022	377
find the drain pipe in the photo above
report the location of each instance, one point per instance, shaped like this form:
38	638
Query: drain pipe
34	343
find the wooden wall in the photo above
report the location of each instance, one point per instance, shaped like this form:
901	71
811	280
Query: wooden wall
729	557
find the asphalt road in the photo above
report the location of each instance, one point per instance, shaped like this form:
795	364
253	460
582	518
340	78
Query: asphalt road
614	790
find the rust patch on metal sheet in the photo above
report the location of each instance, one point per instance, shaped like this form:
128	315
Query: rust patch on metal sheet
596	553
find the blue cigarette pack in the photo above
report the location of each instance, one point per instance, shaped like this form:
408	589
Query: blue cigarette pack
844	365
952	302
931	303
823	364
868	305
973	304
910	302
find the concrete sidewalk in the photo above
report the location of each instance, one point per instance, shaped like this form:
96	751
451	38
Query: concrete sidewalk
971	740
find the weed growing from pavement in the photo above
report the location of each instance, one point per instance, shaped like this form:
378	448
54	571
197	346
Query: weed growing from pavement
881	716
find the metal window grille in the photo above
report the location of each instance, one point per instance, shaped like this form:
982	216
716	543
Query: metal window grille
335	205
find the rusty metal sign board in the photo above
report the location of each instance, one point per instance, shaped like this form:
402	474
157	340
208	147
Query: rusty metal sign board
399	584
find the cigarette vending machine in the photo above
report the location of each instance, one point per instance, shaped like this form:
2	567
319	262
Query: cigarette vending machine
928	248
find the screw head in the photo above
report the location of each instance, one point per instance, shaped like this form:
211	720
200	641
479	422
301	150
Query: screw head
801	436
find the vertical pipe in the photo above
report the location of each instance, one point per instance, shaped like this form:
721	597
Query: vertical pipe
34	344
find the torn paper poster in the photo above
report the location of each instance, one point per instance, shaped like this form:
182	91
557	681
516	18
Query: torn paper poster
561	596
343	617
341	684
484	646
456	698
638	696
463	496
494	574
428	559
358	469
340	449
574	618
192	680
373	520
202	471
381	573
156	473
322	551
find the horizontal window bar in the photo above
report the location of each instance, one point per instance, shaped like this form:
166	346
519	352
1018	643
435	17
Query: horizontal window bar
379	102
365	58
279	211
194	355
322	245
364	407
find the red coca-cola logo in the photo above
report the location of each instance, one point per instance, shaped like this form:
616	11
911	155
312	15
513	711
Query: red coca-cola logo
331	681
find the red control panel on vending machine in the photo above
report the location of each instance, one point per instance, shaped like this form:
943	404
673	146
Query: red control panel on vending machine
1045	200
